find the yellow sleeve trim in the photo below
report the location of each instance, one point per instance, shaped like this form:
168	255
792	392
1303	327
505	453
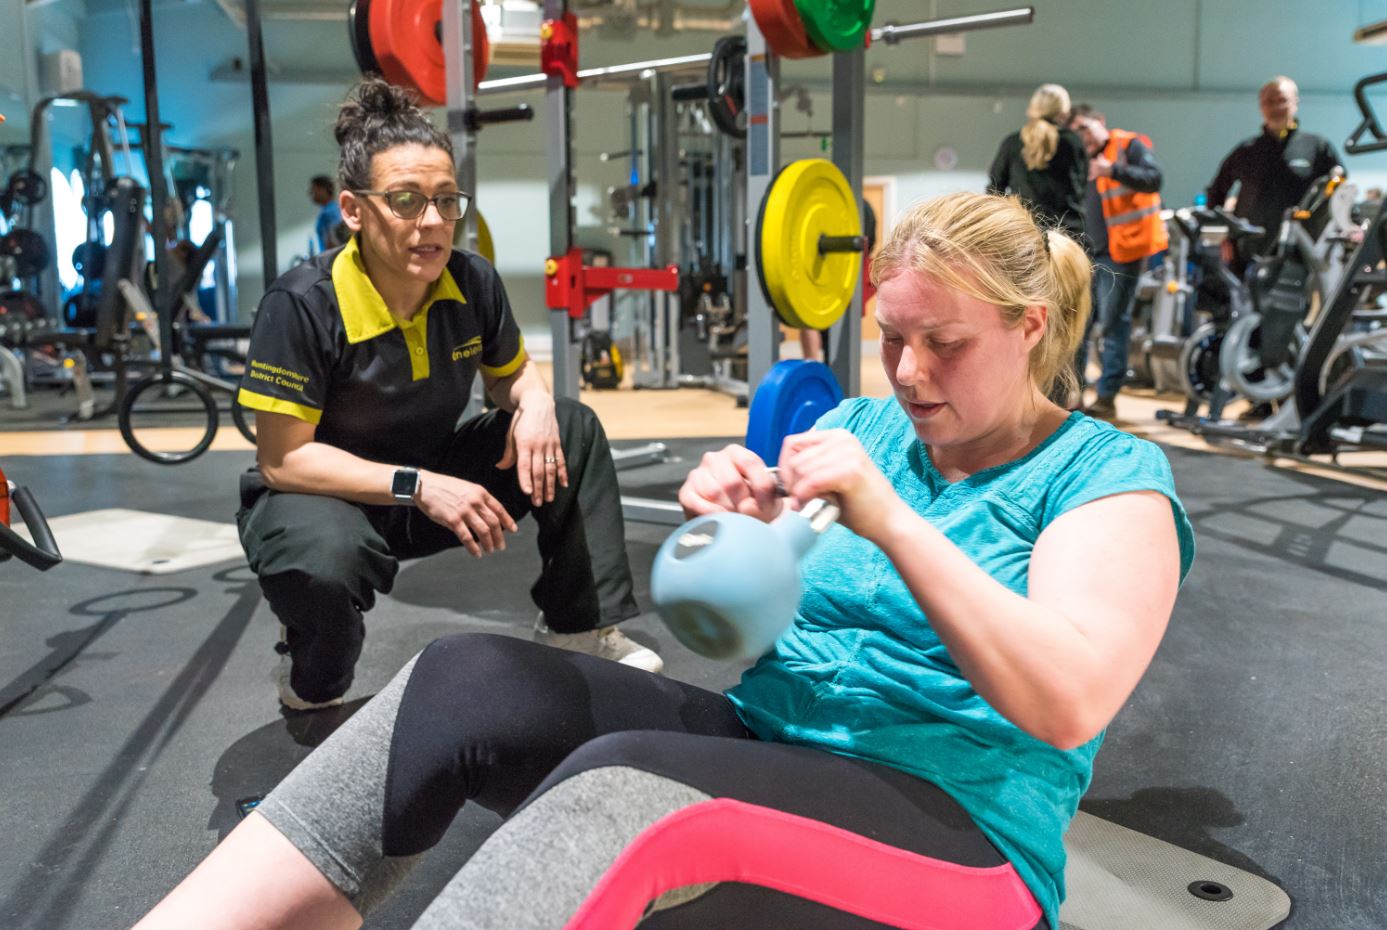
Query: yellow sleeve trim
274	405
510	367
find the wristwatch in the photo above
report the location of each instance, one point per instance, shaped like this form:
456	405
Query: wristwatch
404	486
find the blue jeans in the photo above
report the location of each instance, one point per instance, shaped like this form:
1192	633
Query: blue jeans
1114	293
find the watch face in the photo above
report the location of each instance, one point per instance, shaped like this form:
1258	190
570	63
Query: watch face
404	483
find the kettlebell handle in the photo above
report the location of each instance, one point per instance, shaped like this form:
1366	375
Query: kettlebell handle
820	513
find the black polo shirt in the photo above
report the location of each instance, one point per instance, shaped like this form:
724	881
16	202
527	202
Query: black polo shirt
1275	170
325	349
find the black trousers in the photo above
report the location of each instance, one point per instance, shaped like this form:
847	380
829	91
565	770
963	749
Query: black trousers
321	560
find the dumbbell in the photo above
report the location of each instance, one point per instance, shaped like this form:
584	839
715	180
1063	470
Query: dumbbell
727	584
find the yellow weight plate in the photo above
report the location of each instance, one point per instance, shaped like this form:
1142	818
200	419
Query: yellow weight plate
809	199
486	248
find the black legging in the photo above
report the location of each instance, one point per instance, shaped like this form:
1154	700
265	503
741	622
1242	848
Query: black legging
514	726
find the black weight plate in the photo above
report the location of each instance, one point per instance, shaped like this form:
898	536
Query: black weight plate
28	249
27	187
727	85
359	30
89	260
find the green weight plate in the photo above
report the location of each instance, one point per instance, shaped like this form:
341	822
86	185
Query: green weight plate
836	25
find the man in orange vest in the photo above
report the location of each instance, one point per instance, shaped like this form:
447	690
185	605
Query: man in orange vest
1125	229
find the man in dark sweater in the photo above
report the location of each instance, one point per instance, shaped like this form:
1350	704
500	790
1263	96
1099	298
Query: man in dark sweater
1123	218
1274	168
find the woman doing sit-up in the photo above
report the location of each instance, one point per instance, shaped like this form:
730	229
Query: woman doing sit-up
908	754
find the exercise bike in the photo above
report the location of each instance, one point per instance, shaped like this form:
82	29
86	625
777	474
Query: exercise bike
1220	298
1162	314
1338	401
1258	354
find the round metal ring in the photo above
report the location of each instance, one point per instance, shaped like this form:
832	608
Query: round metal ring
243	424
162	379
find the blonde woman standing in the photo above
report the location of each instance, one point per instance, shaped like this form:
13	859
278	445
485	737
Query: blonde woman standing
1045	164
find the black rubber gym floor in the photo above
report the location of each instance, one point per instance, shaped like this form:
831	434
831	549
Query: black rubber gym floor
135	711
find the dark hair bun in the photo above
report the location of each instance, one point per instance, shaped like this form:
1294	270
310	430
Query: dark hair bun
373	102
377	116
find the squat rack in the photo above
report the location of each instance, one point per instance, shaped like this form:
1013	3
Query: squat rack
573	286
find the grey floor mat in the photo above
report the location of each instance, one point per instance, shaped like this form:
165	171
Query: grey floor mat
1118	879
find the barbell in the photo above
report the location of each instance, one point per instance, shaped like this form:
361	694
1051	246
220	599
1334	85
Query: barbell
810	243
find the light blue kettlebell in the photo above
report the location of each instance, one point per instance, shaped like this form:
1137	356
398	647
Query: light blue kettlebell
727	585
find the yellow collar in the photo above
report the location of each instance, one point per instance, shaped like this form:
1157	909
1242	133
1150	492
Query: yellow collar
363	310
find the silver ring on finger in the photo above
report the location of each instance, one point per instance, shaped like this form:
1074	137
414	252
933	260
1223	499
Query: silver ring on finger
551	460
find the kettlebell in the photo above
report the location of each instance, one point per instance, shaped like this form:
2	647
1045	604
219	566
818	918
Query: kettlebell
727	585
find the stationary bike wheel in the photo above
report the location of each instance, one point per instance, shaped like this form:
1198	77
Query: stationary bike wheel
1241	363
162	381
1199	363
243	424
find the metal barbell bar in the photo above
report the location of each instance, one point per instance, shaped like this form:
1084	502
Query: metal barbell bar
891	34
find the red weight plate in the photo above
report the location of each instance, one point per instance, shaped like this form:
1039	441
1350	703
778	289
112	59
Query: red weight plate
406	39
481	45
404	36
779	22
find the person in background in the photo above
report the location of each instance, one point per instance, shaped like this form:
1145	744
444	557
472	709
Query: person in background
1045	164
328	231
1272	169
1123	207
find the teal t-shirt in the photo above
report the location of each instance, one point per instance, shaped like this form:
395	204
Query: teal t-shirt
862	673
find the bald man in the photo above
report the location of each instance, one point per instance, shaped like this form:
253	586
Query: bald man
1275	167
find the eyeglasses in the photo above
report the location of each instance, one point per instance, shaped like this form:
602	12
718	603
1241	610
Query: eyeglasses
409	205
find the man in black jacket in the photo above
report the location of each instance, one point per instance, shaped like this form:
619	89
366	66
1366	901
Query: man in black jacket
1274	168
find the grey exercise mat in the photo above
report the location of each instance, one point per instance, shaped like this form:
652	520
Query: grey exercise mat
1119	879
143	543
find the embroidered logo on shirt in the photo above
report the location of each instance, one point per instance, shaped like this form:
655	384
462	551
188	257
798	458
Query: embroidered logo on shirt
468	349
279	377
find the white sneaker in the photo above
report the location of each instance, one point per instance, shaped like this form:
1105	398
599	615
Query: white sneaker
606	643
287	697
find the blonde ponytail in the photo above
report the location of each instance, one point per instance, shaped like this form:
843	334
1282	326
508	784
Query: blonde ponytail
1040	137
1071	277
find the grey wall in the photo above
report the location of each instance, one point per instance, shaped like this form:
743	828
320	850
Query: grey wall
1183	71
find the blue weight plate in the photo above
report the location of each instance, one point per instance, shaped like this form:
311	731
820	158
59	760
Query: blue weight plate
793	395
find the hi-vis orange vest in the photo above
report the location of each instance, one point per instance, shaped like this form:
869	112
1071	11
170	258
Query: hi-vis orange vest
1135	227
